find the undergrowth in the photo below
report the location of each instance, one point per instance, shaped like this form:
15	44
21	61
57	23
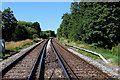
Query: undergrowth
8	50
113	53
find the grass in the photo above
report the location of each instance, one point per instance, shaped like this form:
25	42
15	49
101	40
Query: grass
6	54
12	44
67	45
88	54
21	47
15	46
106	53
1	54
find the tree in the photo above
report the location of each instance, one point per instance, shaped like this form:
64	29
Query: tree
9	23
47	34
14	30
0	25
36	25
92	22
25	30
20	32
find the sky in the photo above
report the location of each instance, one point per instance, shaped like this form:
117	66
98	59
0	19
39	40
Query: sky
48	14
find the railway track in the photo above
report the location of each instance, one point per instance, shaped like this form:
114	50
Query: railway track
78	68
45	66
52	66
51	60
21	67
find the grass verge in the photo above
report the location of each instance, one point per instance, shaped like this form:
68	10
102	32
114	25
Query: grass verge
88	54
109	54
21	45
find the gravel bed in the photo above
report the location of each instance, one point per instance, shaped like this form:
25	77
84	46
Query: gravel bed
79	66
7	61
95	63
22	69
53	68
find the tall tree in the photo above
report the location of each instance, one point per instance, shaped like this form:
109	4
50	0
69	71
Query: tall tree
92	22
24	30
0	24
9	23
36	25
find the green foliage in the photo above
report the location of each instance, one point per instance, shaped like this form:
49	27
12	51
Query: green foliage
8	50
0	25
35	36
106	53
47	34
92	22
25	30
14	30
116	50
36	25
9	23
67	45
88	54
20	32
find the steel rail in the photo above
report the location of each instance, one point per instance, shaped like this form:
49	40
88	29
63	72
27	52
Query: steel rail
68	65
89	64
8	67
86	50
66	73
41	63
36	63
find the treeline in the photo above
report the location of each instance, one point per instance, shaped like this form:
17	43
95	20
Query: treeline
14	30
26	30
47	34
96	23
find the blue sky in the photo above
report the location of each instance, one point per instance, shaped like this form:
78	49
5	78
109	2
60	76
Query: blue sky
48	14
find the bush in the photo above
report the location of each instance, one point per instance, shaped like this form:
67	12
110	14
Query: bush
68	41
116	50
35	36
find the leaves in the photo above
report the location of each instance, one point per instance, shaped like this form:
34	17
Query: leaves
18	30
9	23
92	22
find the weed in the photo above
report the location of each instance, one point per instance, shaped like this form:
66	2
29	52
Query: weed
15	46
88	54
67	45
107	53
